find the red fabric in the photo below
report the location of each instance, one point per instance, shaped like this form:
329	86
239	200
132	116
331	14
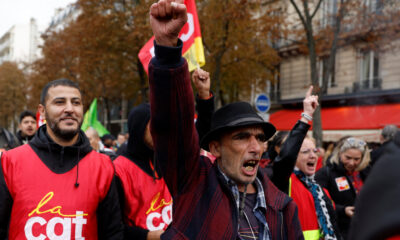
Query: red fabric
341	118
148	203
393	238
264	162
188	33
46	203
305	203
208	155
356	181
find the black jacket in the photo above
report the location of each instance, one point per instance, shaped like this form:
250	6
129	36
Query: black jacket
21	139
60	160
377	153
326	177
283	165
377	214
7	140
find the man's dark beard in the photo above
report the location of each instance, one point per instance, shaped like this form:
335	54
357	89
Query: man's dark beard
65	135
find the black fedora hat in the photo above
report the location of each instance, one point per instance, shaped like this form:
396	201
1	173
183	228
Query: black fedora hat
234	115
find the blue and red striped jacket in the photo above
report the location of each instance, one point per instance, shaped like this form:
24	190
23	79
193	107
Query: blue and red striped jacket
204	207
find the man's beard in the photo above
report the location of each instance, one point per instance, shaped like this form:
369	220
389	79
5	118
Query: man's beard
66	135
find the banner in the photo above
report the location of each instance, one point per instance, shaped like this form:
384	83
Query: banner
39	119
90	120
190	35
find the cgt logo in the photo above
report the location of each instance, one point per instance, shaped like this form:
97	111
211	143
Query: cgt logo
66	224
57	227
158	220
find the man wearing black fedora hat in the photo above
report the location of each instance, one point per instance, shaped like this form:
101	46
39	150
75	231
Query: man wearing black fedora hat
207	197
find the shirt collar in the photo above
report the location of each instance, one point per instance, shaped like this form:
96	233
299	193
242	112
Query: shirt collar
261	203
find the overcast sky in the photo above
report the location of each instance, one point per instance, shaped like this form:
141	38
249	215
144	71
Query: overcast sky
21	11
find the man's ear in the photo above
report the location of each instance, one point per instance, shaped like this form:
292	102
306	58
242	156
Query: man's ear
215	148
42	111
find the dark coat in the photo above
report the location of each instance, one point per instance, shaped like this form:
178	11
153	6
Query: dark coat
326	178
284	163
377	153
204	207
377	214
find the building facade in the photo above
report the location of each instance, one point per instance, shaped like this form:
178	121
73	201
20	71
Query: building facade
20	43
363	78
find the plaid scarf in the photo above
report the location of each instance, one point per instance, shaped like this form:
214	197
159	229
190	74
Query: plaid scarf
324	219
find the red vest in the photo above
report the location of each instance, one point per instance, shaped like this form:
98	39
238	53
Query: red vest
148	203
305	203
47	205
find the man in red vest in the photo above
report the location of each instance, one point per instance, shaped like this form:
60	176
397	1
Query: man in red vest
57	186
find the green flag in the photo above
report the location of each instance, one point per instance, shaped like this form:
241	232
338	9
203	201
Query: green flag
90	120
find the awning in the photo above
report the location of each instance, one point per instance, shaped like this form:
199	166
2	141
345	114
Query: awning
367	120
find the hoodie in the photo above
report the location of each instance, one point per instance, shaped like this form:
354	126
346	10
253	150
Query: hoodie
137	151
22	139
57	158
136	165
60	160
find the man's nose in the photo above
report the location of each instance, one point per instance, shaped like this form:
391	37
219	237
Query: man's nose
255	145
68	107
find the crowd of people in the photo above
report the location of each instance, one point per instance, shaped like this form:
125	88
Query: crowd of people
175	178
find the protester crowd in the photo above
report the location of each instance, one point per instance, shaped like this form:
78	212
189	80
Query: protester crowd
227	175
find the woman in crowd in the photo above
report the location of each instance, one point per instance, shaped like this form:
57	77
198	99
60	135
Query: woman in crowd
316	210
344	177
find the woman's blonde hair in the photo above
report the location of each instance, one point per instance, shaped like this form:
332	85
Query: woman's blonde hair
353	143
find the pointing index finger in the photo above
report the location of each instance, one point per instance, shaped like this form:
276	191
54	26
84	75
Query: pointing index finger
309	91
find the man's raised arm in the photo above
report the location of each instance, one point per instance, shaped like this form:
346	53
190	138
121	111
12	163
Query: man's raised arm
171	98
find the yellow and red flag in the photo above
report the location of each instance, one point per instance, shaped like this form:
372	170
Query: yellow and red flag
191	37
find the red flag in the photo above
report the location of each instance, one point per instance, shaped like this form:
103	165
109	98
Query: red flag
191	37
39	119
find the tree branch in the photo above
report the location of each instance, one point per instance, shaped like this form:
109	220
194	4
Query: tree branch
299	13
316	9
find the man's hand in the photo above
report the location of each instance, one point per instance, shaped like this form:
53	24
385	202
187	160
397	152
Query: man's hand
167	18
201	80
154	235
310	103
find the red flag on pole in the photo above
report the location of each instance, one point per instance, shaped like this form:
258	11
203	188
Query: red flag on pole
191	37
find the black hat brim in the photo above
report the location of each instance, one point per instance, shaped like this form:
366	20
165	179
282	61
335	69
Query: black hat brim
268	128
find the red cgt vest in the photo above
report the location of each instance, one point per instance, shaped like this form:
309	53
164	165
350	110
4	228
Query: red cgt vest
47	205
307	213
148	203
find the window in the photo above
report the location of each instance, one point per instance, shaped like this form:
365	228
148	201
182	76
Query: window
328	10
374	6
369	70
322	68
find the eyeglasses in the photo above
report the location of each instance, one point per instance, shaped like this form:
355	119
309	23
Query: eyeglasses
308	151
